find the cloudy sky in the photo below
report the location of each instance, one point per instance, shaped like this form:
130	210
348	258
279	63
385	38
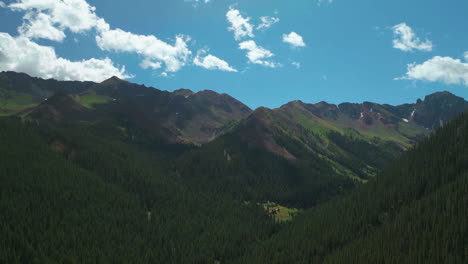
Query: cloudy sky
263	52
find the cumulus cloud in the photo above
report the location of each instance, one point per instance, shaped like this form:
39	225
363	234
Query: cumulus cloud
23	55
239	25
211	62
267	22
48	19
257	54
465	55
173	56
2	4
294	39
148	64
40	26
439	69
75	15
406	39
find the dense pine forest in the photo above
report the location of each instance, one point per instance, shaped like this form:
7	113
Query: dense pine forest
110	204
72	196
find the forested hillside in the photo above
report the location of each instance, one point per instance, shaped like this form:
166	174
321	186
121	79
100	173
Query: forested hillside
415	211
86	199
79	198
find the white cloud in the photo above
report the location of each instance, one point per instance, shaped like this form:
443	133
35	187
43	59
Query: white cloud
294	39
465	55
257	54
211	62
75	15
406	39
267	22
49	19
40	26
2	4
439	69
173	56
239	25
296	64
148	64
22	55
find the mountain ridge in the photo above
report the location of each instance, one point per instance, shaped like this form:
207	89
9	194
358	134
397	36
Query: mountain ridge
200	117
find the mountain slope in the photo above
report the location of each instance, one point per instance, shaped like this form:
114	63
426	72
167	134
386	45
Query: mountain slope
186	116
198	118
58	108
268	156
415	211
70	196
311	152
315	151
19	91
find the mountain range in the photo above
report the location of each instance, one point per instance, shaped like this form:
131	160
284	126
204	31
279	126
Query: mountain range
116	172
201	117
294	131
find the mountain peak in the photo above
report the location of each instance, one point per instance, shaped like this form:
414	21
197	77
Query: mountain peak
59	107
183	92
293	104
441	95
113	80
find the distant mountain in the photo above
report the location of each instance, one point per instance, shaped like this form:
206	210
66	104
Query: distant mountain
203	116
316	151
401	125
437	109
288	155
278	154
188	117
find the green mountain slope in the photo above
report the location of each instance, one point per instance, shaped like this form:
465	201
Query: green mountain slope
69	196
302	154
415	211
269	157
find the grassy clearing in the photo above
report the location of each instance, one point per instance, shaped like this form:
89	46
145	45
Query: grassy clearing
279	212
411	129
90	99
12	103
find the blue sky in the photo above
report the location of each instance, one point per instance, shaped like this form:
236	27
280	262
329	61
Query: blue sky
351	51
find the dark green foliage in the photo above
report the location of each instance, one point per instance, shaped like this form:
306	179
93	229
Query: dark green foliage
362	154
88	203
256	175
70	195
413	212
